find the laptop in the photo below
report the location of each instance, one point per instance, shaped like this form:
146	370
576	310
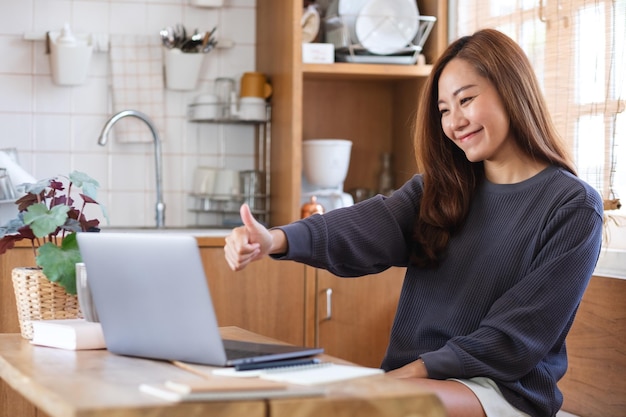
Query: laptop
152	299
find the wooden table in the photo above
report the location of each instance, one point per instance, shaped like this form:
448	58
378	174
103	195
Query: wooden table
64	383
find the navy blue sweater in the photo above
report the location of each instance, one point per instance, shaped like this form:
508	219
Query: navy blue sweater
500	304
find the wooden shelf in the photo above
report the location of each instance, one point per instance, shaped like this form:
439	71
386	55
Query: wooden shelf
374	105
341	70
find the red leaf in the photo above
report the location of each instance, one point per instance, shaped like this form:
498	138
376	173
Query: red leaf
26	201
8	242
56	185
90	224
88	199
26	233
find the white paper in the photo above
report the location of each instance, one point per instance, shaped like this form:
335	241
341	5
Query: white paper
321	374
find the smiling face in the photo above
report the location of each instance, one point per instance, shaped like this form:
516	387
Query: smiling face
472	114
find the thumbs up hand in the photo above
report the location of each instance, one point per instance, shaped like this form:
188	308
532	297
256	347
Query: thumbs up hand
247	243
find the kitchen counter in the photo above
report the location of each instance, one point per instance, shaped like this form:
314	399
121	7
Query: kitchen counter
206	237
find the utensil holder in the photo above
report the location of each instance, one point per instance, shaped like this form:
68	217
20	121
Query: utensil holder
182	70
69	63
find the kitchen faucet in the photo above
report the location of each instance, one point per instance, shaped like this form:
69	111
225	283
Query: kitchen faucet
102	140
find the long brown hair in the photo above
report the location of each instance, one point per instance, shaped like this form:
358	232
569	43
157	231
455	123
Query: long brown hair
450	180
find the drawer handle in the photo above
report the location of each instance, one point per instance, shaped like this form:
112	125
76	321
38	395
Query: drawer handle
329	304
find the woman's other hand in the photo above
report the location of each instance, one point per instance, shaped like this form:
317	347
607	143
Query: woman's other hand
415	369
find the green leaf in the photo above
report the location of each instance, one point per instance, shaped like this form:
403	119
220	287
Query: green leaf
89	187
84	181
12	227
43	221
37	187
59	262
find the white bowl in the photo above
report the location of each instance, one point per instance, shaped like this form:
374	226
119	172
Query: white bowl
384	27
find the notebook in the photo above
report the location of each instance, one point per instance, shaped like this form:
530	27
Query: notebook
153	301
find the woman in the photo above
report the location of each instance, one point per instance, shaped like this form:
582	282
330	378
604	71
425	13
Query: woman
498	235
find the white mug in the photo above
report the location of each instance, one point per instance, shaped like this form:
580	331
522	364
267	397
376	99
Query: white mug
204	180
226	186
252	108
85	301
205	107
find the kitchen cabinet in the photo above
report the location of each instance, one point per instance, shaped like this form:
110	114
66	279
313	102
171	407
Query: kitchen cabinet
373	105
267	297
353	316
12	404
349	317
594	384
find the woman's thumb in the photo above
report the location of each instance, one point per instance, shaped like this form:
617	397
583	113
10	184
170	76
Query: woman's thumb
247	218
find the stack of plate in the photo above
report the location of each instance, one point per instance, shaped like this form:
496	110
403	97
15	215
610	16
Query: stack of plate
382	27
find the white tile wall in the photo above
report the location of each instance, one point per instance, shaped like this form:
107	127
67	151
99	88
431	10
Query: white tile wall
55	128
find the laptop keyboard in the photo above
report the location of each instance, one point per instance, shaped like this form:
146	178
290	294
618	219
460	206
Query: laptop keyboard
239	353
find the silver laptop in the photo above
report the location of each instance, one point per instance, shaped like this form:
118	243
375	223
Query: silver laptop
153	301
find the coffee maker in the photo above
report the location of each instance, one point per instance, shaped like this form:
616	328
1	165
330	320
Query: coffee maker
325	165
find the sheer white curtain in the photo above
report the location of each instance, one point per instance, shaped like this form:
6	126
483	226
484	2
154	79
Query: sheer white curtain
578	50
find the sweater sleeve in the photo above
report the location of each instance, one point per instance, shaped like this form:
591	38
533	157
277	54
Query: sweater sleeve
362	239
529	322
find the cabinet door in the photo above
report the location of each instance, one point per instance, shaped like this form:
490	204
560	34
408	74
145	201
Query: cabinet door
19	256
267	297
12	403
356	324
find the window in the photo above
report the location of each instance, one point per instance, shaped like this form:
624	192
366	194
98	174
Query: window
578	50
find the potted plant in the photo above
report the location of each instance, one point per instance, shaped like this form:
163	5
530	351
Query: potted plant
50	213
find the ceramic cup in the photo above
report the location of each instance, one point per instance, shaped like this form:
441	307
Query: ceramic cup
226	186
204	180
254	84
85	301
205	107
252	108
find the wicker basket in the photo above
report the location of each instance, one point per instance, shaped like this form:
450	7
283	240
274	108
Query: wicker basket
39	299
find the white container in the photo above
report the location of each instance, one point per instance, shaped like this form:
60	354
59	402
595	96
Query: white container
205	107
226	185
252	108
326	161
318	53
182	70
204	180
69	56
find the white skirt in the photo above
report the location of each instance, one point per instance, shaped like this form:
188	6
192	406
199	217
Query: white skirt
490	397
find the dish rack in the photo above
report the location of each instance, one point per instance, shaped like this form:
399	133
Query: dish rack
337	32
221	210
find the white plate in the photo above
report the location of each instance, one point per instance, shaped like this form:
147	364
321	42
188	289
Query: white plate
386	26
349	11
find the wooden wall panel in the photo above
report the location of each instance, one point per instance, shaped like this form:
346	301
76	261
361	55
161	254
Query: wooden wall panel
595	383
